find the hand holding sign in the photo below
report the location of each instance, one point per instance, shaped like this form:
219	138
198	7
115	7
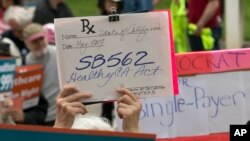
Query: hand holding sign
98	56
129	109
68	105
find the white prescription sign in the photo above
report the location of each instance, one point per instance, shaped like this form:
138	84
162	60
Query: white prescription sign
99	56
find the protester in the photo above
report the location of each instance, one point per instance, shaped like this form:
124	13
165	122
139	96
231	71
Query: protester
47	10
42	53
4	5
204	29
69	104
17	17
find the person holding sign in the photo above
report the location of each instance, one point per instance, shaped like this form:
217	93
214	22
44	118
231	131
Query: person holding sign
69	105
204	29
42	53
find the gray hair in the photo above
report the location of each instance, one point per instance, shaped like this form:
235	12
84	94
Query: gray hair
21	15
90	122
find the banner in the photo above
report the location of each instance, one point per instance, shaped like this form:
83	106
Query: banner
27	86
99	56
210	62
215	96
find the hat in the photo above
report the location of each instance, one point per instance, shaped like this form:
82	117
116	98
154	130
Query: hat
49	30
32	32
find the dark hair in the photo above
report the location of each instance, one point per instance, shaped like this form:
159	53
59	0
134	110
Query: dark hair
17	2
104	12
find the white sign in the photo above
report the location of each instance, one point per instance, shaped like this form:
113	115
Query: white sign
206	104
99	56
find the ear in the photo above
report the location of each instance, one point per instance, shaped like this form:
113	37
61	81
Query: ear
28	45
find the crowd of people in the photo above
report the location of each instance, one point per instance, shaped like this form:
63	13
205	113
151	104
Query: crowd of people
30	36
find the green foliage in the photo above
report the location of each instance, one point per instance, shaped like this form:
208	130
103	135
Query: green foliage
246	19
83	7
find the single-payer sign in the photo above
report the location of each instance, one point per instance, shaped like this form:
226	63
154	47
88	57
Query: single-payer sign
99	56
214	94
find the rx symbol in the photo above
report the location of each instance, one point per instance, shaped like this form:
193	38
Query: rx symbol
86	25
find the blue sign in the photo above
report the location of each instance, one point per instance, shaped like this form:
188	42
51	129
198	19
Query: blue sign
7	72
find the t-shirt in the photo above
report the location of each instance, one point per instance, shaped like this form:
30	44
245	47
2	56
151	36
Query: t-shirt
196	9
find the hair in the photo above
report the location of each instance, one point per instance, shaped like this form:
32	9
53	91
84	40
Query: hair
100	5
90	122
22	16
17	2
32	29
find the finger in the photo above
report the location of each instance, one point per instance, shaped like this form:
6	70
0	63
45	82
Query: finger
78	105
125	91
119	113
76	111
126	99
71	109
68	90
77	97
13	112
123	105
122	112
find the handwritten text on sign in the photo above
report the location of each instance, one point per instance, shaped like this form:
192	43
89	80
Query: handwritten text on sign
208	102
200	105
100	56
214	61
